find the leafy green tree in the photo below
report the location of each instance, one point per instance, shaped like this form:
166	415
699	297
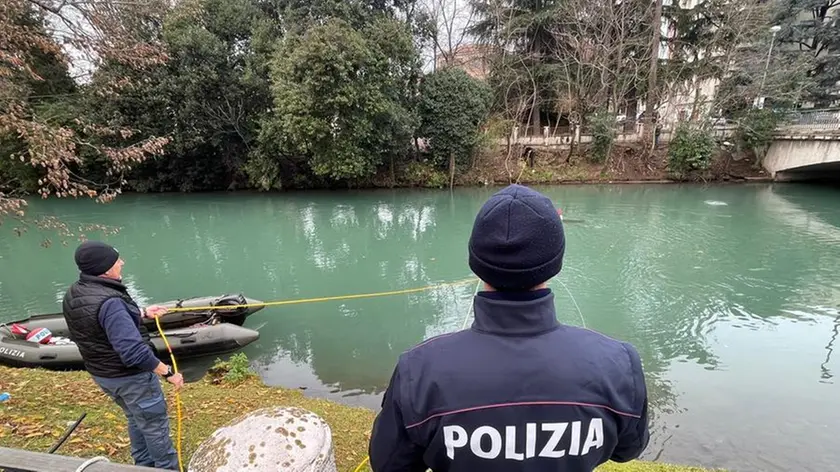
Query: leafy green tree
208	97
339	98
452	107
297	16
604	133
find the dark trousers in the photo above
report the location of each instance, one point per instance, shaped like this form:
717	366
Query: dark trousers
141	399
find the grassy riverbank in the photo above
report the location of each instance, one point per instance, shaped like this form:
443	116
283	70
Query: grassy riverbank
42	403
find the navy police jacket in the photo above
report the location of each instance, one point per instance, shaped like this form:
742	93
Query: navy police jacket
517	392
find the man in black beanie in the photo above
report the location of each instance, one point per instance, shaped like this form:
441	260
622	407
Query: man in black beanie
518	390
106	325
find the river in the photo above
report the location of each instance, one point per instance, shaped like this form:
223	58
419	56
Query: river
730	293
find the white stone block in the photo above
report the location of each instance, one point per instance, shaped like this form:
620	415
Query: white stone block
268	440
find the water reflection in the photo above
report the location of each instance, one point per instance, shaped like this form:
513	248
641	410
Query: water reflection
722	301
826	372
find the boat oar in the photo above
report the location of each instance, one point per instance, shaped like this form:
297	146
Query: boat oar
66	434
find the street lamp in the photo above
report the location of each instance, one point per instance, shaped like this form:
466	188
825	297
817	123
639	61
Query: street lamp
774	29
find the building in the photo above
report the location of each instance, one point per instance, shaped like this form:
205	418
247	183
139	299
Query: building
694	95
472	58
680	102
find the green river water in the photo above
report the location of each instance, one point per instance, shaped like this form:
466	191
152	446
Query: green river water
730	293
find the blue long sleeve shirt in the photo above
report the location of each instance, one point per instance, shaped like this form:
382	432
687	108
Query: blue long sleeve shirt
122	329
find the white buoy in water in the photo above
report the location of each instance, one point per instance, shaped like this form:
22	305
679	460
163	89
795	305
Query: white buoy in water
268	440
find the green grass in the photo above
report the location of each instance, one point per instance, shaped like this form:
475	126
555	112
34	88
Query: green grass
43	403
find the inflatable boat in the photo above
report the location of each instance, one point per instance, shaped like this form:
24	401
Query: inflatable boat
229	315
191	334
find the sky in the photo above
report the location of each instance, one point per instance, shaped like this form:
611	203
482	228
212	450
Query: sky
452	17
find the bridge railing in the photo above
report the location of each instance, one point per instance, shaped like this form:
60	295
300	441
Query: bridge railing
799	122
827	120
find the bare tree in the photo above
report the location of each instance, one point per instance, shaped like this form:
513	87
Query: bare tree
451	20
577	55
652	95
601	48
727	43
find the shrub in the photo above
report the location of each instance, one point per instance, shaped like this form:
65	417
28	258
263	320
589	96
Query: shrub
755	130
234	370
691	148
495	129
423	174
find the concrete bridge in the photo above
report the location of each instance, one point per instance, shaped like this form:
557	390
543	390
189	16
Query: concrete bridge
807	148
809	157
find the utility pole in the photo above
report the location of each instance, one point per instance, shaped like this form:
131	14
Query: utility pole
654	60
760	99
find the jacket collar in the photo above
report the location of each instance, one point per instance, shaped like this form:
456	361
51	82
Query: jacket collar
509	317
115	284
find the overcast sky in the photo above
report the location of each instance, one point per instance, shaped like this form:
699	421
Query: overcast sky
452	17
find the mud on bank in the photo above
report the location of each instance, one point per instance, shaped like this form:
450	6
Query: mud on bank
627	163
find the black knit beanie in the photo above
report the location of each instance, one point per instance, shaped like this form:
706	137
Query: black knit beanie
95	257
517	240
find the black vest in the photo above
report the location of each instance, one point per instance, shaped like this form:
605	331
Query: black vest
81	312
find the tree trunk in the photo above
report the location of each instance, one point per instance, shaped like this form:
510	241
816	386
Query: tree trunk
535	113
393	177
451	170
632	111
695	107
654	62
571	147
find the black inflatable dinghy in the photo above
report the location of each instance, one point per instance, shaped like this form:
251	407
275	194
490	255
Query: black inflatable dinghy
185	318
191	334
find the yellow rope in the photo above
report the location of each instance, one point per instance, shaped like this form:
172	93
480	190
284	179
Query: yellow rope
321	299
359	467
463	326
177	393
277	303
